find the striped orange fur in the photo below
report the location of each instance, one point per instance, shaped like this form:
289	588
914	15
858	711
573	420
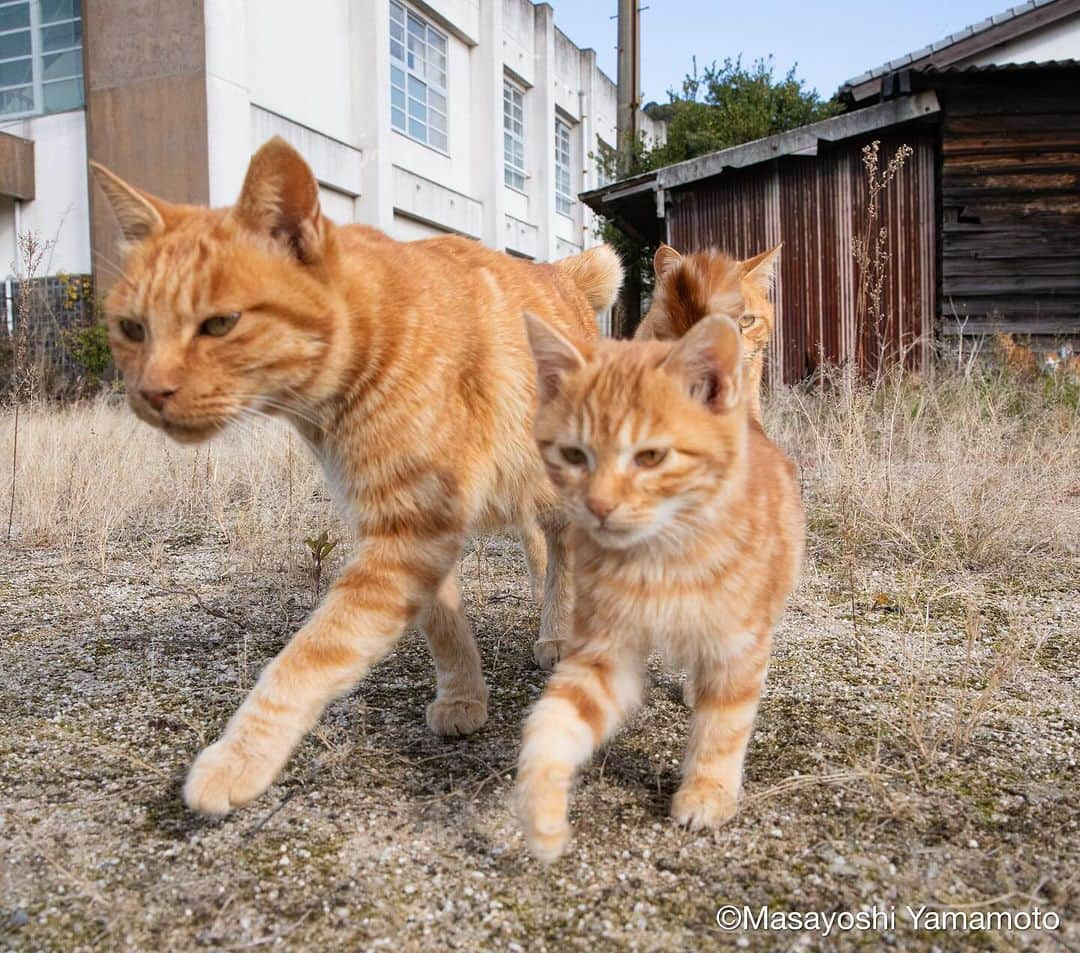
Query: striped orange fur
687	536
692	287
406	369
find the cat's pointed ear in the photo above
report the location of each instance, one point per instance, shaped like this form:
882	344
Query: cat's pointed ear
761	269
708	360
554	354
664	260
140	215
280	199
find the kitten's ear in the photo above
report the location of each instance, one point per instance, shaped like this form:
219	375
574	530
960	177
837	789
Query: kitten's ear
280	198
664	260
555	355
761	269
140	215
708	359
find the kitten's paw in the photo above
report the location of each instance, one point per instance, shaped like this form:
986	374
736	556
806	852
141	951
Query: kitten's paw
457	716
225	776
699	806
547	652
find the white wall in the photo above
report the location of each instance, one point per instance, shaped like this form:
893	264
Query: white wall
1059	41
60	211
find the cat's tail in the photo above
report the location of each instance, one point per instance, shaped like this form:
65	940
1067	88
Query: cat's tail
597	273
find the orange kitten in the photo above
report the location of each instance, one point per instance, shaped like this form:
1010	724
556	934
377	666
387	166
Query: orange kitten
692	287
687	535
406	369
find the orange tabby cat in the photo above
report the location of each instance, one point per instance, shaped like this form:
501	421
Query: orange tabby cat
687	535
406	369
691	287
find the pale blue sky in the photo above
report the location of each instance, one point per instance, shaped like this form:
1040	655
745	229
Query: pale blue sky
830	40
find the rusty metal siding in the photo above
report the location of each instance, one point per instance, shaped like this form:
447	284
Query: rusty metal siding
815	206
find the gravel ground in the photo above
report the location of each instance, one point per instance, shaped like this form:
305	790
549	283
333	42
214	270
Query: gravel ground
918	754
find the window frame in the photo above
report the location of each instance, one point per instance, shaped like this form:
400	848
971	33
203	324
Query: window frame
564	198
604	152
511	170
37	56
418	75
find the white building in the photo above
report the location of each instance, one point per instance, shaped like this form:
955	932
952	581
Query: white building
477	117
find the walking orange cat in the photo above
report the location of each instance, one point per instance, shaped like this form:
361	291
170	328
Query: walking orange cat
406	369
687	536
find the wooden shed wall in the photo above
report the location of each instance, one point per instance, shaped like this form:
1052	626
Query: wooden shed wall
1010	194
816	206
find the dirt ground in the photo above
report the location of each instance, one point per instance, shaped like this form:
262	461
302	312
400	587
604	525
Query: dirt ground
908	756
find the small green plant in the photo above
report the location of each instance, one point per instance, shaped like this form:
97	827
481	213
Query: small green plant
321	547
89	345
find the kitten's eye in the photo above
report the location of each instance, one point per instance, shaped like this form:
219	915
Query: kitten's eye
575	456
746	320
133	330
219	325
649	458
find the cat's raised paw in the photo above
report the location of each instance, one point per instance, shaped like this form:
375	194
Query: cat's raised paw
224	777
454	717
698	806
546	652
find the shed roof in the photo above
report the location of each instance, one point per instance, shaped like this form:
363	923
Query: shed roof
971	40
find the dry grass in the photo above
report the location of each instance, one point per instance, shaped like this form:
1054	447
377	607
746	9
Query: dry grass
916	742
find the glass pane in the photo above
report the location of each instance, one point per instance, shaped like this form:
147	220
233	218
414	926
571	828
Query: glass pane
436	101
15	44
65	94
397	98
417	110
14	16
438	140
416	28
62	36
397	32
397	77
62	65
397	51
16	72
53	10
508	145
417	88
17	100
436	121
397	118
397	13
437	41
416	130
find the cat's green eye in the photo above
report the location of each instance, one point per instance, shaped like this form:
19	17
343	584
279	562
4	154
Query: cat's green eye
746	320
133	330
219	325
575	456
649	458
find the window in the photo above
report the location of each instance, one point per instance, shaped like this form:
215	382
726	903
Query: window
605	164
417	77
513	136
564	198
40	56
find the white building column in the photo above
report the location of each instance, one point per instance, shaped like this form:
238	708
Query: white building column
228	99
487	122
541	132
369	27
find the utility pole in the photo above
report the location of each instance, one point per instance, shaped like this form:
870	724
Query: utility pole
627	314
629	83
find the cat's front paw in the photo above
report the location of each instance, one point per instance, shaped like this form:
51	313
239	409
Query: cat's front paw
225	776
454	717
542	803
702	805
547	652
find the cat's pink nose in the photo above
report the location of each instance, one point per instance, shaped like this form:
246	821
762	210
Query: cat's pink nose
601	509
157	398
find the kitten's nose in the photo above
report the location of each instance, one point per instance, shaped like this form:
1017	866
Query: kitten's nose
157	398
601	509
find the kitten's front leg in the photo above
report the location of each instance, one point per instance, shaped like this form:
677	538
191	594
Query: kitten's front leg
362	616
557	612
725	705
588	697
